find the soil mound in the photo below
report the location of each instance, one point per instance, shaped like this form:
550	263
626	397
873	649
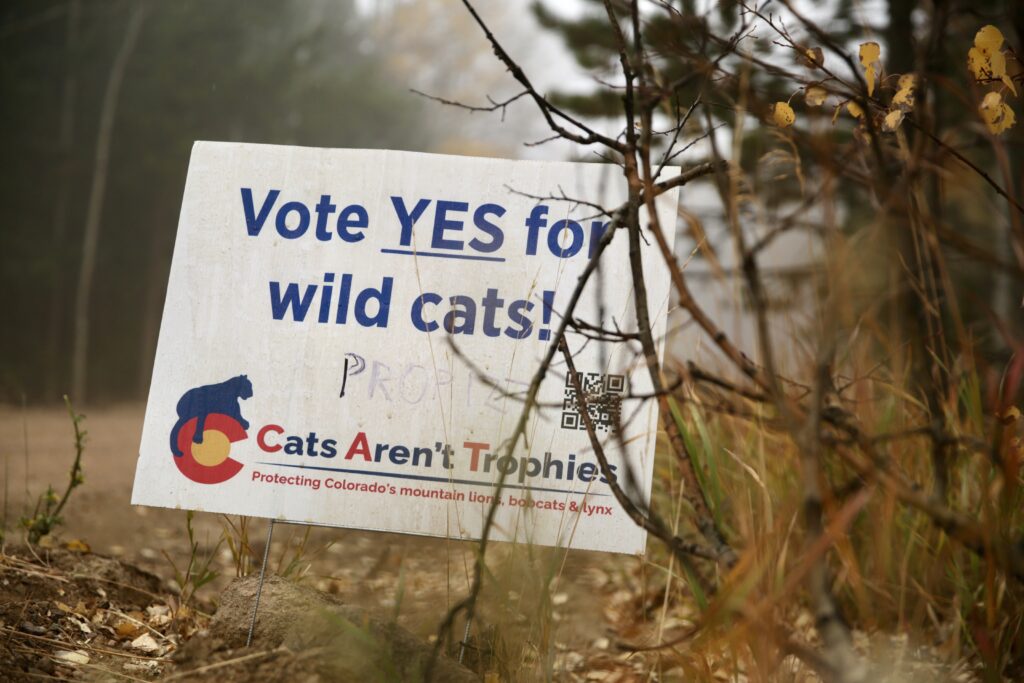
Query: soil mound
348	643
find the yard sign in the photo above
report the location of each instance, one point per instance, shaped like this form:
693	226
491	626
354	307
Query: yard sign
345	332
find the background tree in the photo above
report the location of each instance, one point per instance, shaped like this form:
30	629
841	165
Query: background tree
689	42
260	71
893	433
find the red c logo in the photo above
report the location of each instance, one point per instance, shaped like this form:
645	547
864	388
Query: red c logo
208	462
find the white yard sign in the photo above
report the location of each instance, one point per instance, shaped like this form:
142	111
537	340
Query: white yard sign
307	366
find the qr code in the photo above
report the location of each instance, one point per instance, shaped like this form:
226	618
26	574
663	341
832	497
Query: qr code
603	395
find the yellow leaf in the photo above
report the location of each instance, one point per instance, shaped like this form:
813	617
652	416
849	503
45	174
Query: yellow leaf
855	110
986	59
904	97
892	120
815	95
977	62
869	56
814	57
997	62
783	115
989	38
1011	415
997	114
78	546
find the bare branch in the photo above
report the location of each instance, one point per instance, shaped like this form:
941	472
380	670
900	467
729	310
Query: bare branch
653	525
548	110
494	106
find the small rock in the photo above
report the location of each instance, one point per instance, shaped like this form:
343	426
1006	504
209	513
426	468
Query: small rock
29	627
145	643
71	657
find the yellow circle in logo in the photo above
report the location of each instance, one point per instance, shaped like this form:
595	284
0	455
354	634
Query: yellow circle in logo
213	450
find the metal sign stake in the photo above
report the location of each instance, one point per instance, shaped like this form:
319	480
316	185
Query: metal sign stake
465	638
259	588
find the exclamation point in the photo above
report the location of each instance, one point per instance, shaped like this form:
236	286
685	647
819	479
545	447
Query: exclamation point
549	305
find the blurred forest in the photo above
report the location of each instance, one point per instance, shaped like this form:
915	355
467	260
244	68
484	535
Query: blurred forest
269	71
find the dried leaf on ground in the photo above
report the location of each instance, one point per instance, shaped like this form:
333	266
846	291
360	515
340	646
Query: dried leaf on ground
77	545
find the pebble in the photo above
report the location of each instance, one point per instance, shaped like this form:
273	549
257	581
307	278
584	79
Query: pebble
29	627
72	657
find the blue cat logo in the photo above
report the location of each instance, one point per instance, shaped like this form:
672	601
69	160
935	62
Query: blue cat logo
209	421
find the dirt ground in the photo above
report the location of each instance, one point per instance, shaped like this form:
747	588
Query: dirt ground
413	580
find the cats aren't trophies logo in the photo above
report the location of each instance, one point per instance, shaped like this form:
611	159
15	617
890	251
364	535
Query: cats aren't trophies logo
209	421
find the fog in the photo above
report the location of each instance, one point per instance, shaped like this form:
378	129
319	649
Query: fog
101	104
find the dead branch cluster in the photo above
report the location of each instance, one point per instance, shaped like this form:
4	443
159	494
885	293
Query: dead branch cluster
814	413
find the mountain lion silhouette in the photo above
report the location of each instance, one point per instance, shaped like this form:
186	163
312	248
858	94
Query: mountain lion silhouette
220	398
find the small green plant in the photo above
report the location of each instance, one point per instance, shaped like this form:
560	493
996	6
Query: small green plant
197	572
295	558
293	562
46	515
237	538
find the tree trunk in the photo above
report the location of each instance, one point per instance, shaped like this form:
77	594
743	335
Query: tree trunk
94	213
54	357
